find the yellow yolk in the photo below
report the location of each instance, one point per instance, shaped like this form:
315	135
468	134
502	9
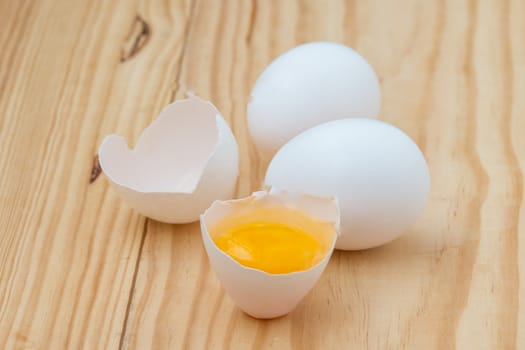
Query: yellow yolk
271	247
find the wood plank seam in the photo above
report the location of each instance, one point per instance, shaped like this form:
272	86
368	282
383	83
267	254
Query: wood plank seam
133	283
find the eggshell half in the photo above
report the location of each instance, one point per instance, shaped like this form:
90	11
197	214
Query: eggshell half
308	85
186	159
258	293
377	172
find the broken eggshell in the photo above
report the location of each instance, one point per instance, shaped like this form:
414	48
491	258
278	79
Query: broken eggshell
186	159
256	292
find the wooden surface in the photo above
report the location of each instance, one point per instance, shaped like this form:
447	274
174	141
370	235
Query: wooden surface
79	269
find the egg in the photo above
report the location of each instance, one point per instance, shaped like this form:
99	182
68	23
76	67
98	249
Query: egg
310	84
377	172
267	273
186	159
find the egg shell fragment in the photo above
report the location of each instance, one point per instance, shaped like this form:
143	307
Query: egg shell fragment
182	162
258	293
308	85
377	172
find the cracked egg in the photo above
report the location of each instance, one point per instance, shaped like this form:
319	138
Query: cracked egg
269	249
186	159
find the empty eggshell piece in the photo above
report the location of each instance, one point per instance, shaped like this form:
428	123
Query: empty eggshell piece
256	292
377	172
186	159
308	85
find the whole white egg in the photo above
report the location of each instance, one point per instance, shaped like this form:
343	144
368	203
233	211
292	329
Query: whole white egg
308	85
378	173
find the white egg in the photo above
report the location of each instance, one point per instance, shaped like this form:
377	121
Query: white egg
186	159
377	172
309	85
259	293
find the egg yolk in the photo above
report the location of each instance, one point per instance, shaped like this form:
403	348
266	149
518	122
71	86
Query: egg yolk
271	247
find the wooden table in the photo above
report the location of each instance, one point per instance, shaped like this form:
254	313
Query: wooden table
80	269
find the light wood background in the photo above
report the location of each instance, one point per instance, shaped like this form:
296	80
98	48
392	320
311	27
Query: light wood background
79	269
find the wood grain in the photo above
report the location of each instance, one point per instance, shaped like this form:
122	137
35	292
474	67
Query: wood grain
80	269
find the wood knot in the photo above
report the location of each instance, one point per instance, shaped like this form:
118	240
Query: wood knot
137	38
95	170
